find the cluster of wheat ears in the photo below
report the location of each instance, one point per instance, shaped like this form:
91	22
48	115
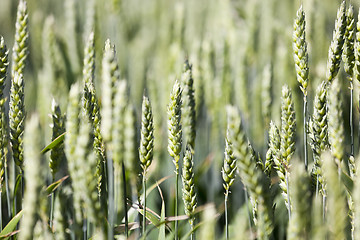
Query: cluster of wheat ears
87	175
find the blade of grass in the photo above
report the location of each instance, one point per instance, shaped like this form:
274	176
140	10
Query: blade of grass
54	143
8	231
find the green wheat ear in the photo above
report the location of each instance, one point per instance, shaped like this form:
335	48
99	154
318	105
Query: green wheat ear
110	75
174	125
348	51
147	135
146	149
34	178
336	215
57	155
228	174
175	137
318	131
302	67
229	168
288	126
20	49
92	110
273	153
72	131
189	195
336	46
287	143
300	51
188	105
255	181
17	118
335	121
300	192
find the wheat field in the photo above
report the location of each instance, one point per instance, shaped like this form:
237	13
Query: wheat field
167	119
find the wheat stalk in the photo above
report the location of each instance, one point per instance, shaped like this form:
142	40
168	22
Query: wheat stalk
34	178
228	174
146	147
175	137
301	66
299	224
253	178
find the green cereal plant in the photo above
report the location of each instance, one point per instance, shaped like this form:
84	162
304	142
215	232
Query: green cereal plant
72	131
357	54
318	132
20	48
17	118
34	176
348	58
266	94
301	66
117	142
146	149
287	143
110	75
336	46
189	194
336	201
175	137
4	63
188	105
82	164
299	224
255	181
92	110
318	230
60	222
228	174
273	153
57	155
335	123
130	148
85	175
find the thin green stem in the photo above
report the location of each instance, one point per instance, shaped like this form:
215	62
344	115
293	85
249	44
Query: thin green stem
226	216
351	118
111	198
192	236
176	201
52	208
144	208
124	198
288	193
305	134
